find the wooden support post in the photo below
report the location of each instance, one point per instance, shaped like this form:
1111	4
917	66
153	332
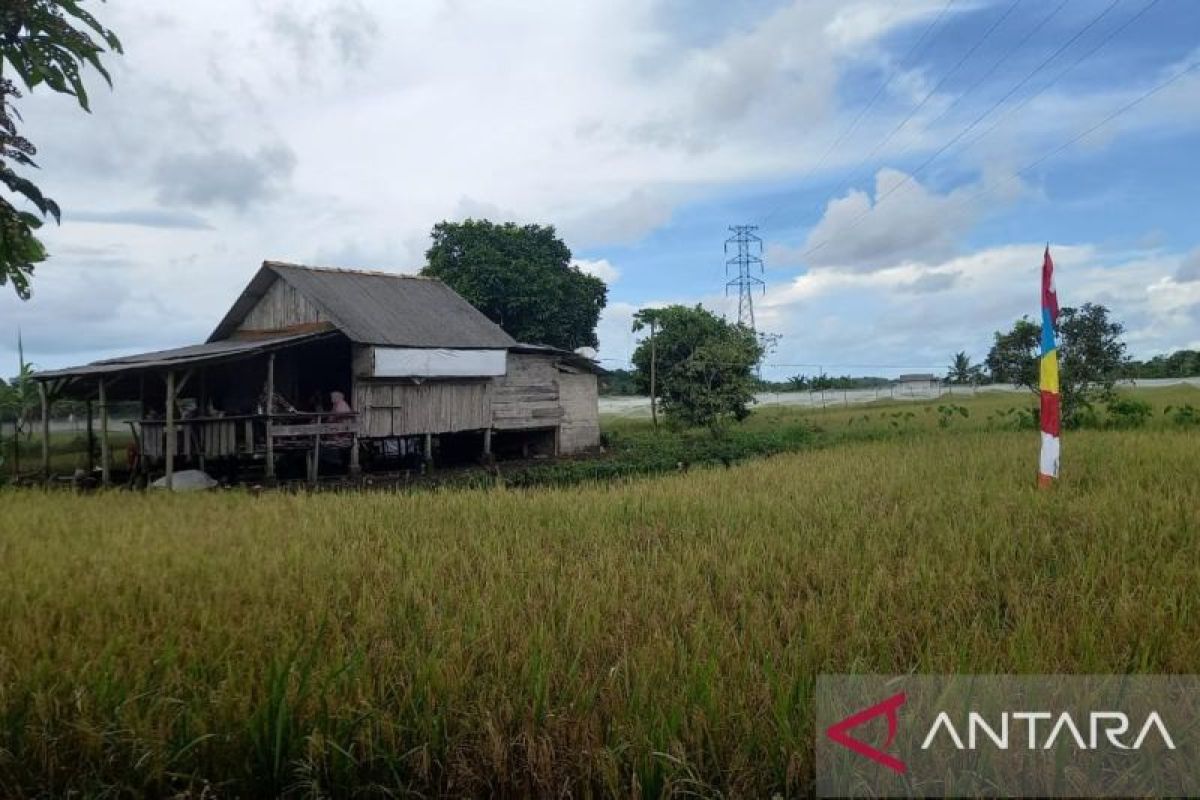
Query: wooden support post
169	427
45	430
487	442
355	467
91	440
270	409
202	411
429	448
105	455
316	455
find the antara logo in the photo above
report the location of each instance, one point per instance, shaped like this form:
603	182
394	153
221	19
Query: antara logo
1113	724
1103	728
838	732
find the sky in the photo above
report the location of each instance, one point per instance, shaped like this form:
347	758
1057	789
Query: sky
905	161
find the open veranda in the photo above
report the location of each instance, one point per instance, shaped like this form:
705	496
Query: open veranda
641	637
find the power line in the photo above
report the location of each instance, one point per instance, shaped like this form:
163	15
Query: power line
850	127
975	122
1039	161
1005	55
1107	38
929	95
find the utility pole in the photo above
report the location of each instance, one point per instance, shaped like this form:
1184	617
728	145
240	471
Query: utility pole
745	261
653	375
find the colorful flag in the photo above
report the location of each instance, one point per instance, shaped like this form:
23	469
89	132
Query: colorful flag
1048	377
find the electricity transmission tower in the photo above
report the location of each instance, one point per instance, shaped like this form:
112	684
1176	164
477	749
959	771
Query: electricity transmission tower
745	261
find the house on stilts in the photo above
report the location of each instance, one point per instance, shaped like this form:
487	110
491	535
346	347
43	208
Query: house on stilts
317	369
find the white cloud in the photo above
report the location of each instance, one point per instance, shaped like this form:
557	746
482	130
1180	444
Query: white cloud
600	267
1189	267
340	131
904	220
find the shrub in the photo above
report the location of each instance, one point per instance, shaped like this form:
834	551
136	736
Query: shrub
1127	412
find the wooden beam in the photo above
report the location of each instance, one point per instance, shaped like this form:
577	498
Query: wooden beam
45	430
269	411
170	429
429	448
105	455
487	442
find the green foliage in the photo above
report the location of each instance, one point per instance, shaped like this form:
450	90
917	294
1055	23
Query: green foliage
705	365
618	382
1128	412
1180	364
521	278
1185	415
947	413
1090	352
45	42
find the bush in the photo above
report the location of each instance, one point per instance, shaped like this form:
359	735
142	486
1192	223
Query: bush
1128	413
1185	415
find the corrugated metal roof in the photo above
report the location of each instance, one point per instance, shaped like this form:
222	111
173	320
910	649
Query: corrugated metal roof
381	308
183	356
566	356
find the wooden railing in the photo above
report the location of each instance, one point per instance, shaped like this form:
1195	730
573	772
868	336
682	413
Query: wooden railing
247	434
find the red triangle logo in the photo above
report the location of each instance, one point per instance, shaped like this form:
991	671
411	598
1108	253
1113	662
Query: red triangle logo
839	732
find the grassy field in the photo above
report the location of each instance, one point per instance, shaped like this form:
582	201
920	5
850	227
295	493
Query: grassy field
644	637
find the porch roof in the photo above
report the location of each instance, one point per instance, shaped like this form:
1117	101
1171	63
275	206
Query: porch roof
192	355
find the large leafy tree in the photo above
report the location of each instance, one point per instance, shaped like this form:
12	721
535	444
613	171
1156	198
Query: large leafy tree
42	42
1091	356
522	278
704	365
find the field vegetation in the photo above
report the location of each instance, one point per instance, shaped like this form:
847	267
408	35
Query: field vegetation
637	637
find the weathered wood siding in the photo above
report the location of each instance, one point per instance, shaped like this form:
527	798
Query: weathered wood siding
527	397
281	307
579	395
404	408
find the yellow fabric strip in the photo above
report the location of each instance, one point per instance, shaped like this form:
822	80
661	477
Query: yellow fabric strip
1049	372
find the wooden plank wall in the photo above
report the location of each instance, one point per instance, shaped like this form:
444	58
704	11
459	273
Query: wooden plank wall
404	409
579	396
281	307
527	397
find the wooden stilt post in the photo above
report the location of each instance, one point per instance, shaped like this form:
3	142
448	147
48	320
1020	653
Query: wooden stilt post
105	455
91	440
316	454
355	467
170	429
487	443
202	411
45	430
270	409
429	448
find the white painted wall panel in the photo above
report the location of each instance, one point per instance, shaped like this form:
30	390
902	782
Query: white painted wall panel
412	362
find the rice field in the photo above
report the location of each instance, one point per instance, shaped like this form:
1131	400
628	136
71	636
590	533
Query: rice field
641	638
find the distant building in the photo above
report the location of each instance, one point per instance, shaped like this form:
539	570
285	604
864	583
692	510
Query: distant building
917	383
416	369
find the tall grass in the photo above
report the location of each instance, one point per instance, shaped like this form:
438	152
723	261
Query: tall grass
642	638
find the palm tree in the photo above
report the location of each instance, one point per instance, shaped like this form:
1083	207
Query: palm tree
961	370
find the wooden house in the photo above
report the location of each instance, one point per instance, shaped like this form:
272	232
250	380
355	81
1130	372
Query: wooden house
426	376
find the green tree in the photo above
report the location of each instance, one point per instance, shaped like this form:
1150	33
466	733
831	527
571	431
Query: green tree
705	366
1090	352
43	42
961	370
522	278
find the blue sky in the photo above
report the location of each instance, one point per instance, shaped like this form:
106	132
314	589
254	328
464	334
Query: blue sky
339	131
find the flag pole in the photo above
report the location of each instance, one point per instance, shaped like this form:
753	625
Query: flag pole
1048	384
